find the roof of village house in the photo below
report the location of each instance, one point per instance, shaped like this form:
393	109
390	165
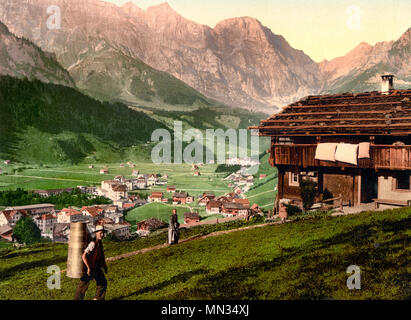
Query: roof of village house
180	195
348	113
233	205
129	205
70	211
171	187
156	195
119	188
213	204
4	229
7	234
244	202
93	211
192	215
151	224
10	213
32	206
208	194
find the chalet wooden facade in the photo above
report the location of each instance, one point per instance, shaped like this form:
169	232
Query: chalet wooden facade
380	121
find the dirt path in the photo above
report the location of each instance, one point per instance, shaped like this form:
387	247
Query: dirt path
213	234
164	245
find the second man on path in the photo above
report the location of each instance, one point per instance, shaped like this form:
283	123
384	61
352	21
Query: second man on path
173	231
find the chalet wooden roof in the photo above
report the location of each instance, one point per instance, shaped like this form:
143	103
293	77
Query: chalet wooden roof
151	224
349	114
192	215
180	195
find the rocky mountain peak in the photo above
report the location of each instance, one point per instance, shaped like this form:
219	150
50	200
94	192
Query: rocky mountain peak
131	9
162	9
405	39
240	24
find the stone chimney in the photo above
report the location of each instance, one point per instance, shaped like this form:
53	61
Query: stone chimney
387	83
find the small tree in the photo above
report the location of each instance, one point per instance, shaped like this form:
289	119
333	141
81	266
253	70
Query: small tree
308	190
26	231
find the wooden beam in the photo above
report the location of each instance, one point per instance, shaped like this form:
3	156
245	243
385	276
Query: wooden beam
339	105
325	134
294	114
336	120
356	126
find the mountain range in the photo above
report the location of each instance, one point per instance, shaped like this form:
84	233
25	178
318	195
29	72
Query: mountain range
22	59
156	56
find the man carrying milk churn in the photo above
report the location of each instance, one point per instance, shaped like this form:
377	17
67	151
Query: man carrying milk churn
94	260
173	232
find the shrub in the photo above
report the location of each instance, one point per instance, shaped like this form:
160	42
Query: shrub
26	231
292	210
308	189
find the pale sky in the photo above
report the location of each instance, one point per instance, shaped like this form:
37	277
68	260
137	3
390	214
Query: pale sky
323	29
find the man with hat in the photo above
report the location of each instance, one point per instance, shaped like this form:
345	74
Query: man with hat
94	261
173	231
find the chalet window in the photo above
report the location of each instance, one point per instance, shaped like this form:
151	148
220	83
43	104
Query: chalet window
403	182
293	179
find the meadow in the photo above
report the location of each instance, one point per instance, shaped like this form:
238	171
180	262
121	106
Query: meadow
30	177
304	259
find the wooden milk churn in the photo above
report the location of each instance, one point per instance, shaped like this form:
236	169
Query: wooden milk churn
77	243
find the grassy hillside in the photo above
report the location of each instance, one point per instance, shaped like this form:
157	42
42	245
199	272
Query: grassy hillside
50	123
45	123
263	191
305	259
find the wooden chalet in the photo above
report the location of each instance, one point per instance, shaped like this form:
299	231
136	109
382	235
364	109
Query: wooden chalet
182	198
191	217
150	224
205	198
213	206
356	145
230	209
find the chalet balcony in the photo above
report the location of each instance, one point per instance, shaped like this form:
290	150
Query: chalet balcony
381	157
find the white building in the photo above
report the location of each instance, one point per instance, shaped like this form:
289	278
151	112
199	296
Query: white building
119	230
45	223
68	215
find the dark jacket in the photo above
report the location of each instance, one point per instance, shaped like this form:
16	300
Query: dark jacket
174	222
95	258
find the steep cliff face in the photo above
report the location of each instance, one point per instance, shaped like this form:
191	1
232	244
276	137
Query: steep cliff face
263	65
20	58
361	68
239	62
